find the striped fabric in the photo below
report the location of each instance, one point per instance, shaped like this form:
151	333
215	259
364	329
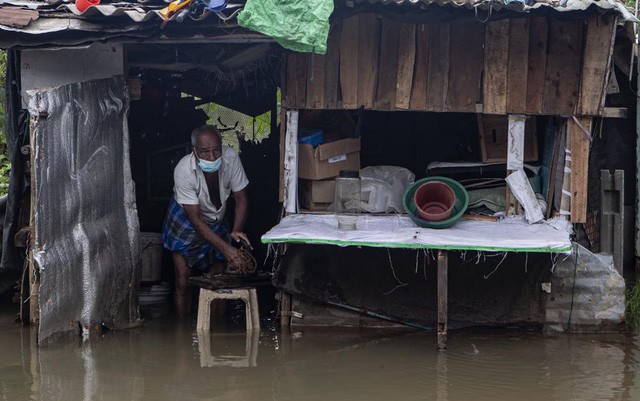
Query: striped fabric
178	235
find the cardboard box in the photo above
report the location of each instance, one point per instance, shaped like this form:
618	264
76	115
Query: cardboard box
494	133
317	195
326	160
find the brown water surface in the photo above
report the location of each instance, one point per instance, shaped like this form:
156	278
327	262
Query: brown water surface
167	360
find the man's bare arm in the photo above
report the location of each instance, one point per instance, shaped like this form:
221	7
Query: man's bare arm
204	231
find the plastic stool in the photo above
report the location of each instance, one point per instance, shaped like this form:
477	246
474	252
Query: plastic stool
248	295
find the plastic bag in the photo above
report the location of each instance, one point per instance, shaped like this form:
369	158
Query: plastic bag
299	25
382	188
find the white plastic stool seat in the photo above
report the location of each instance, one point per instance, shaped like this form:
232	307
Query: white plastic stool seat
248	295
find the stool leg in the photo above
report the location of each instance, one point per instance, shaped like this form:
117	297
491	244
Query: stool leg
204	310
244	295
255	314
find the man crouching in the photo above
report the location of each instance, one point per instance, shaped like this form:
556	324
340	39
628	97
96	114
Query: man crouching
195	224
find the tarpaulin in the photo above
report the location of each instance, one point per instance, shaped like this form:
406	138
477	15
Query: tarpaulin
397	231
300	25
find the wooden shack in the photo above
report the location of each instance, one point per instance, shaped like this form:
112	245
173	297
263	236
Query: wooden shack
534	64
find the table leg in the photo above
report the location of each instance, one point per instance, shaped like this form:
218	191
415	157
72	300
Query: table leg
443	261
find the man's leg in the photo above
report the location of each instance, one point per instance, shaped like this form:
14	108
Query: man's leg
183	272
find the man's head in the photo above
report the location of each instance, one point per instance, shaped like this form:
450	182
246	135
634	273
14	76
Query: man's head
207	142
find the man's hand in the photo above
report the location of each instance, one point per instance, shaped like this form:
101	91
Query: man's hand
232	255
239	235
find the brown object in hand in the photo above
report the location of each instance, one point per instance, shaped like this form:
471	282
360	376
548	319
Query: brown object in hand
247	266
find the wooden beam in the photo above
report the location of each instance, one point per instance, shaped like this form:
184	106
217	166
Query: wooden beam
443	294
580	132
406	62
496	57
598	49
614	112
349	44
518	66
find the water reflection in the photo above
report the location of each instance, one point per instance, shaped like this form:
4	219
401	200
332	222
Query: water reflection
209	343
168	360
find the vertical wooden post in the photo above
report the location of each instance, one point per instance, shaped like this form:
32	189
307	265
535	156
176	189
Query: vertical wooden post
443	261
612	215
34	280
285	309
580	131
515	153
291	162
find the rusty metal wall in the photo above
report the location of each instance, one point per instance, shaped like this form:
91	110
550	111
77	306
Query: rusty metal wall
85	217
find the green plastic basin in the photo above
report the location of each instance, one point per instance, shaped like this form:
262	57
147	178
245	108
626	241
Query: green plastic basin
460	206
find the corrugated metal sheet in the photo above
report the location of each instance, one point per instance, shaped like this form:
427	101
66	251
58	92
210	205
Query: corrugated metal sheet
86	223
587	294
17	18
517	5
146	10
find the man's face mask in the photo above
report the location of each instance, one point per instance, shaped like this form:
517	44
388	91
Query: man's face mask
210	167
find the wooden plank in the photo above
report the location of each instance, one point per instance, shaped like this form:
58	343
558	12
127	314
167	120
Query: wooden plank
551	186
315	82
517	66
406	62
291	162
465	68
332	68
496	57
369	32
580	130
438	75
598	50
563	67
288	94
285	309
283	111
297	80
418	99
34	271
388	65
614	112
349	61
537	60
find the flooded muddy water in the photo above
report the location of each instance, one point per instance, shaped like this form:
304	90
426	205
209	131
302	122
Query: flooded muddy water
167	360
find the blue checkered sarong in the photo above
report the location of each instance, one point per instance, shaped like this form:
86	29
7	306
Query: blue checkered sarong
178	235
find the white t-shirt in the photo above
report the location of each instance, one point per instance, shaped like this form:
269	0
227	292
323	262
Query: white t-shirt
190	186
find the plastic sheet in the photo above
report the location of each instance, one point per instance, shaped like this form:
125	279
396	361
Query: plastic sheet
383	187
299	25
510	234
86	224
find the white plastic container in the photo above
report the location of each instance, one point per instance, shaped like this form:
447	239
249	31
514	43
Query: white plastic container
151	254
